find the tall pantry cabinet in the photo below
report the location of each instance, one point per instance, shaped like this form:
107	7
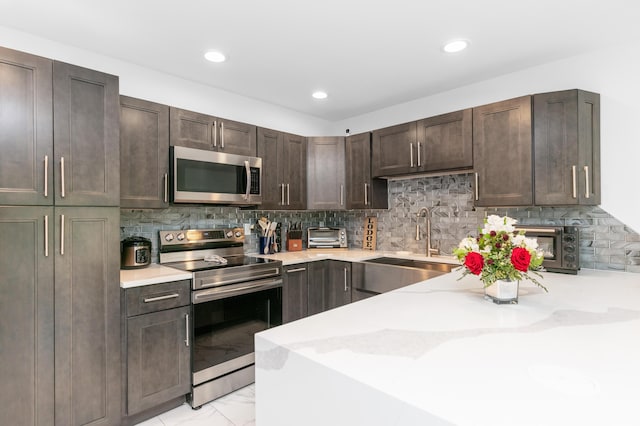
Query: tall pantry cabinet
59	218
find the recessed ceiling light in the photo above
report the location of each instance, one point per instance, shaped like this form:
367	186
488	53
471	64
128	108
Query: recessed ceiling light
319	94
214	56
455	46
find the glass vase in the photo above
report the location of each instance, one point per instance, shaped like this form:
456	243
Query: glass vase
502	292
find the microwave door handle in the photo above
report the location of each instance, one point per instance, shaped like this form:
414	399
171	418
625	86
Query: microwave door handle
248	170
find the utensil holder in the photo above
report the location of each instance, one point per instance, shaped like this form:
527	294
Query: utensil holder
265	245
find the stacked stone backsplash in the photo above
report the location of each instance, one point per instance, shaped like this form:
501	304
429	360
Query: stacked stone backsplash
605	242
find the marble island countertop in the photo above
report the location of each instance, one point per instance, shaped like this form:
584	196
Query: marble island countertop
437	353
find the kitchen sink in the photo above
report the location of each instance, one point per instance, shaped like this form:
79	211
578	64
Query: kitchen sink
384	274
412	263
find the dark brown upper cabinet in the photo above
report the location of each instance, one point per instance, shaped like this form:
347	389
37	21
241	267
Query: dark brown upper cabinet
435	144
326	183
445	142
144	154
26	129
567	148
502	153
363	192
394	150
284	170
201	131
86	132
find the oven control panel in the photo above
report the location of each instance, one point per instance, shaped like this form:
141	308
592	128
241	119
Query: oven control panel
197	237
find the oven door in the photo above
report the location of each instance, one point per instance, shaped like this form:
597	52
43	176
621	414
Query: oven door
199	176
225	321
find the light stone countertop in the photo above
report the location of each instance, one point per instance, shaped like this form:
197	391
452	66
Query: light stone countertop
438	353
152	274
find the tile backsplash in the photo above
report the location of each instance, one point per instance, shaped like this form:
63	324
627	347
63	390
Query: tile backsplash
606	243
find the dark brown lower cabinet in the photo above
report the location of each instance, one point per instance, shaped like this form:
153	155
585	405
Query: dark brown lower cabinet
157	346
60	339
26	317
329	285
295	292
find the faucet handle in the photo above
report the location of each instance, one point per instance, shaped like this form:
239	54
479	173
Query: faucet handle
434	251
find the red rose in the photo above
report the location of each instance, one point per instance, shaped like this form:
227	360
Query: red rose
474	262
520	258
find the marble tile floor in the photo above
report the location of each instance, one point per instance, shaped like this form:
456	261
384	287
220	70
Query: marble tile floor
235	409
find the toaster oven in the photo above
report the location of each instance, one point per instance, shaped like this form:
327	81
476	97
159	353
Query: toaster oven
323	237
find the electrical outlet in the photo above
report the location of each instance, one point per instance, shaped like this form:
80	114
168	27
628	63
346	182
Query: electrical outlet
247	228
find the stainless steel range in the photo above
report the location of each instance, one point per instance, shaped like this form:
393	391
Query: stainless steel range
233	297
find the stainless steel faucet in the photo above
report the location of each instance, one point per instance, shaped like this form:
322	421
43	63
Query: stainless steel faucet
424	211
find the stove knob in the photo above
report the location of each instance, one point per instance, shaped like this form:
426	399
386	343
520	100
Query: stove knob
229	234
180	236
238	234
168	237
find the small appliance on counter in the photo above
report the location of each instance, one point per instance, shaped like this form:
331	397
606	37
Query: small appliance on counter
135	252
326	238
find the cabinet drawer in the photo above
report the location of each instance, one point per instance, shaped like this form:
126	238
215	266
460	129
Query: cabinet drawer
157	297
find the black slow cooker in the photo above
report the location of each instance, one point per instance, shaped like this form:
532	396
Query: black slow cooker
135	252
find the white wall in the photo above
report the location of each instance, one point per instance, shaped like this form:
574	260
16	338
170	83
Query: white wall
155	86
614	73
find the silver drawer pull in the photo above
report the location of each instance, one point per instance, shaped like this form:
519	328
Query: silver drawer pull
290	271
158	298
46	176
186	325
62	177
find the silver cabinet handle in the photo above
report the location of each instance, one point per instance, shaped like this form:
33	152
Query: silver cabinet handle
477	187
215	133
291	271
341	194
222	134
61	235
159	298
46	236
366	194
46	176
166	188
248	171
288	195
411	152
346	286
62	177
419	148
574	191
282	195
186	326
586	182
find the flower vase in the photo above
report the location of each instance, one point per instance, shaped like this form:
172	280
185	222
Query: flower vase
502	291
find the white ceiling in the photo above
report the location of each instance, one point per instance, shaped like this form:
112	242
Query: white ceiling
367	54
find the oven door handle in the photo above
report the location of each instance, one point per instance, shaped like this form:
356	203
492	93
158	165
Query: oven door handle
538	230
202	296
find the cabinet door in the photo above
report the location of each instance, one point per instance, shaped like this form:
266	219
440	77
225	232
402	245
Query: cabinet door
502	153
26	129
566	133
295	293
144	154
26	316
87	137
87	316
338	287
362	191
158	358
394	150
236	138
445	142
270	150
295	171
192	129
326	173
318	276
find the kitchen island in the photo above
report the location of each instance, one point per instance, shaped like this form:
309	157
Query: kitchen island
438	353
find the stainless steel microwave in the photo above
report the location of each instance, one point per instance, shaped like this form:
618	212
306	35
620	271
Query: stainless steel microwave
200	176
560	245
